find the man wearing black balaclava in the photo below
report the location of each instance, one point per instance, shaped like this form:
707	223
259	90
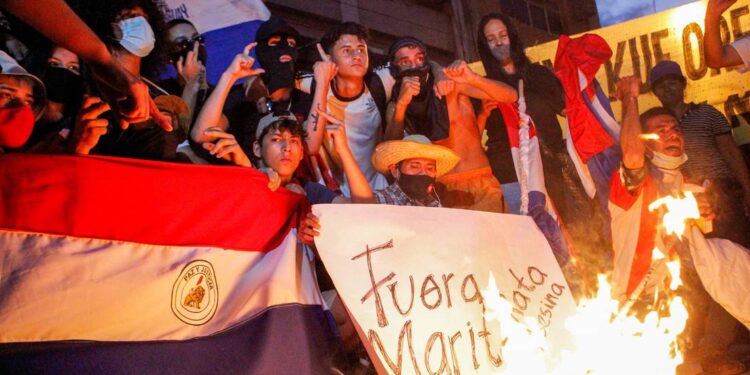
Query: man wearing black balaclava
277	53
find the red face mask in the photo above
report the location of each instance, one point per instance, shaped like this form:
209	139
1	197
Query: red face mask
16	124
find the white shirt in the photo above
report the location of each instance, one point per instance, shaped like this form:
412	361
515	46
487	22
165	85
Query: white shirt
363	128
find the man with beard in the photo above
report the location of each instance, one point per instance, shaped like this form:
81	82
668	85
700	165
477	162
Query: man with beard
447	119
714	159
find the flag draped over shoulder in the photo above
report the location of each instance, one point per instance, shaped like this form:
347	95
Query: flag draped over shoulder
227	26
593	140
128	266
527	160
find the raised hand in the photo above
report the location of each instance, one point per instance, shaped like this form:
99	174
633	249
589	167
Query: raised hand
225	147
242	65
336	130
189	69
460	72
88	126
717	7
410	87
628	86
324	70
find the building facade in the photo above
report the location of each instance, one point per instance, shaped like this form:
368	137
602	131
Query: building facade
448	27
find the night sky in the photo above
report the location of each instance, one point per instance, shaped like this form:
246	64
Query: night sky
615	11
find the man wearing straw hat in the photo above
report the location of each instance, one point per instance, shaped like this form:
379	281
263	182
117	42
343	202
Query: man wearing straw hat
415	164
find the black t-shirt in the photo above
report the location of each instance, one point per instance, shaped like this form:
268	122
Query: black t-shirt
317	193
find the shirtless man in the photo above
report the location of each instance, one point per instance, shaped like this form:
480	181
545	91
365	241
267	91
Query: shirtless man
447	118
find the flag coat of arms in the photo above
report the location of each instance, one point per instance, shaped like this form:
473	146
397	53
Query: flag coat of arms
129	266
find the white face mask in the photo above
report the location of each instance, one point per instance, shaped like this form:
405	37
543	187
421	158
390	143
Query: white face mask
136	36
665	161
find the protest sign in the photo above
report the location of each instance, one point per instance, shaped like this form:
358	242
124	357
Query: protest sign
675	34
412	278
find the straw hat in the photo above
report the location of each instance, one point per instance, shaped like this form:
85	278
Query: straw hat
411	147
9	66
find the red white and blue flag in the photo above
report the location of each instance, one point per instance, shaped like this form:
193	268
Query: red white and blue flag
128	266
593	133
527	160
227	26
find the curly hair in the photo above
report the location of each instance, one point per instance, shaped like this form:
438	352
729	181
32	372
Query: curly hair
333	34
100	16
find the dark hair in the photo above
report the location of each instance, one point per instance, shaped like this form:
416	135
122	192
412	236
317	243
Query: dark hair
100	15
491	65
179	21
653	112
292	126
345	28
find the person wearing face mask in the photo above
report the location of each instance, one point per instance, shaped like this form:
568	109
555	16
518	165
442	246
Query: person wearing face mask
503	58
61	74
130	28
415	164
269	92
447	118
714	158
22	101
652	168
187	53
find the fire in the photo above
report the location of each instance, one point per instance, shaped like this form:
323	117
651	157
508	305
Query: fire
603	337
649	136
678	212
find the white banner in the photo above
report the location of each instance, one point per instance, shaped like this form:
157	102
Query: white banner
412	279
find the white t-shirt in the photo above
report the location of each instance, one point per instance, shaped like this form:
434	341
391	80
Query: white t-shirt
363	128
742	46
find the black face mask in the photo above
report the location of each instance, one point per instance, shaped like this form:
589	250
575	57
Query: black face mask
423	73
278	75
62	85
416	186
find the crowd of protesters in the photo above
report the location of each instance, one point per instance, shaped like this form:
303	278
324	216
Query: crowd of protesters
408	133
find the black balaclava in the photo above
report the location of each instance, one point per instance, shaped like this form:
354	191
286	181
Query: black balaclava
278	74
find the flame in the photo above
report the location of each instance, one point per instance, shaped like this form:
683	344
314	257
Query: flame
678	212
603	338
649	136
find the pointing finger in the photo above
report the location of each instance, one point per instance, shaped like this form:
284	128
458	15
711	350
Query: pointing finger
248	47
322	53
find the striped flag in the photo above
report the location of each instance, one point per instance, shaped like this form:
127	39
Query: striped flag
227	26
593	133
527	160
128	266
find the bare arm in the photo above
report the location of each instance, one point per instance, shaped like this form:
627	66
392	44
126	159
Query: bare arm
358	185
473	85
396	113
211	113
324	71
633	146
717	54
